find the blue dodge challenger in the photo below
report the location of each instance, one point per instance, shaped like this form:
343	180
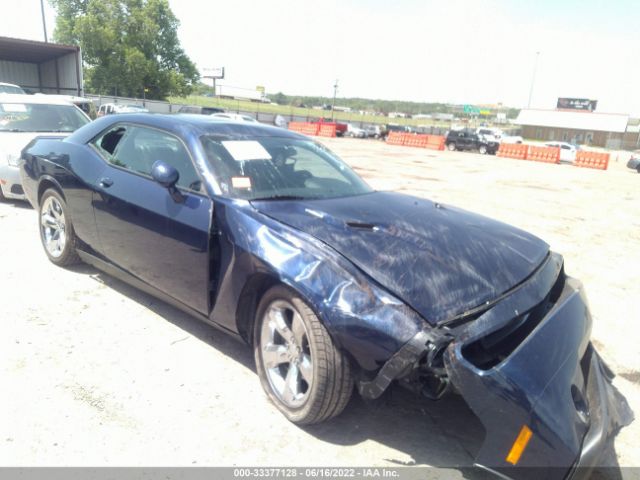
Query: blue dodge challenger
267	235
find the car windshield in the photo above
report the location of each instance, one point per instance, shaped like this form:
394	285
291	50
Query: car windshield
271	168
32	117
11	89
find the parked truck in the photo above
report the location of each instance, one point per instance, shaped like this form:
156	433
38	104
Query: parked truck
227	91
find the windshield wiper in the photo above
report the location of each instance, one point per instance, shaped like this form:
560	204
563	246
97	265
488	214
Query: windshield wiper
281	197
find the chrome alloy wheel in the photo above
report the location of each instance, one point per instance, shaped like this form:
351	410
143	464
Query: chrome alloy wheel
52	227
286	355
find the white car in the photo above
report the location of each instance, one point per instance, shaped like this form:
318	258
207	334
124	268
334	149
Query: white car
237	117
11	88
567	150
23	117
497	135
110	108
356	132
84	104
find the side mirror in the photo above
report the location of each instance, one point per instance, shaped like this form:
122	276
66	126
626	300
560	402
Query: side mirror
164	174
167	176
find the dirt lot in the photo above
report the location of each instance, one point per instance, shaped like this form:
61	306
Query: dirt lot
94	372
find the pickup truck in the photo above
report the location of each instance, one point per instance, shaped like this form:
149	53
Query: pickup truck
341	128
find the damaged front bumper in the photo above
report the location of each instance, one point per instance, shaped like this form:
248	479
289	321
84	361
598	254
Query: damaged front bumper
528	371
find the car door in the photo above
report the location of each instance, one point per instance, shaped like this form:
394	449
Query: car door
460	140
464	141
142	229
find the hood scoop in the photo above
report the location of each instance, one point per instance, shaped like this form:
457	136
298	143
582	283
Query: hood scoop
362	225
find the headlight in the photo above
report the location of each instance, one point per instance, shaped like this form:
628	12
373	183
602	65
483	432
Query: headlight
13	160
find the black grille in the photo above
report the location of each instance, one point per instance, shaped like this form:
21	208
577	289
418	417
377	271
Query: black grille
492	349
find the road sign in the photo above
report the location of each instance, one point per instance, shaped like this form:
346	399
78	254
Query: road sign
471	110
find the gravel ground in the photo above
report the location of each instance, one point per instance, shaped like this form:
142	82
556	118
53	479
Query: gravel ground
97	373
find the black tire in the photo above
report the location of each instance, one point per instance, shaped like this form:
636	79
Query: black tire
332	384
482	149
68	254
2	197
637	170
451	146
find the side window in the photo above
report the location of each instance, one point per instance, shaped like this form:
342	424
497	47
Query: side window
137	148
108	142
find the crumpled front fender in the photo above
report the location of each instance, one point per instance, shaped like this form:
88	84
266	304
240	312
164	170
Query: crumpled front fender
553	382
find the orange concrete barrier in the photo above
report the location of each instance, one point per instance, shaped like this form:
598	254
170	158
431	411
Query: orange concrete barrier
513	150
597	160
435	142
327	130
395	138
415	140
544	154
295	126
306	128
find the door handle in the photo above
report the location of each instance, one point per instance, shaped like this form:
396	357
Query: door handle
105	182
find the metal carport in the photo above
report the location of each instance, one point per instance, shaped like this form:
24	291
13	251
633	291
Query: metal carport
41	67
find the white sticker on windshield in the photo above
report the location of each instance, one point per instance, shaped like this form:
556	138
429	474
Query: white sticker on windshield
241	182
242	150
14	107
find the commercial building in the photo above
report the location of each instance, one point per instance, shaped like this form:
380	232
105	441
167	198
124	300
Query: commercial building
581	127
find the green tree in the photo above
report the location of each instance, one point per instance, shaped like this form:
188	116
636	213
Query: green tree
127	46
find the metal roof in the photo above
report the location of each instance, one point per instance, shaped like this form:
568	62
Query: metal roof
30	51
575	120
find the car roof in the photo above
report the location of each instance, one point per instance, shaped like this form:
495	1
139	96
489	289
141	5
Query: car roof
32	99
179	124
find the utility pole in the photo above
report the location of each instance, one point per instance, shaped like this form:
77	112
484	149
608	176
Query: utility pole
44	23
533	78
335	92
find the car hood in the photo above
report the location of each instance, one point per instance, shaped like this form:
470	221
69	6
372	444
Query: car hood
440	260
14	142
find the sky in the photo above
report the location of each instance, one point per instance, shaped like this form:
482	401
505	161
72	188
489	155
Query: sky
458	51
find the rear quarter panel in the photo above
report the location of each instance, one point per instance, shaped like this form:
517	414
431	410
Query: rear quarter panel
73	169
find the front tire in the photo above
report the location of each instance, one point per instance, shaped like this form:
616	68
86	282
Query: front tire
56	230
302	372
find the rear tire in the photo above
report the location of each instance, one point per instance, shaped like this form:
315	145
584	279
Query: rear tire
302	372
56	230
637	170
451	147
2	197
482	149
